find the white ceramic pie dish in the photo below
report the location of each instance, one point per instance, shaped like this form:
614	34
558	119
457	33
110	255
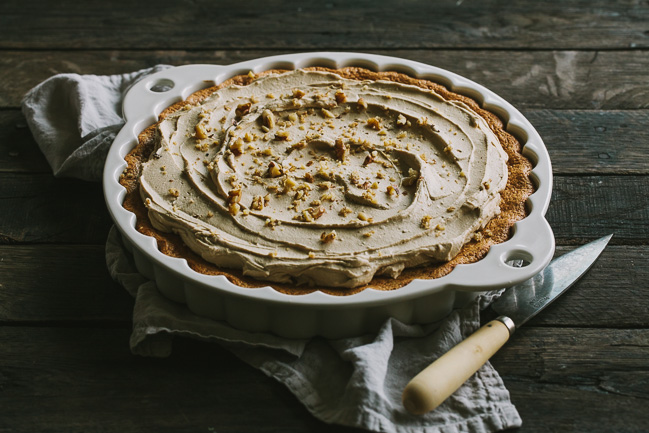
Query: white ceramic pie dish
302	316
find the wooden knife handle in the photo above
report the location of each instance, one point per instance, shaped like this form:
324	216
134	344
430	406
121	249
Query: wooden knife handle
444	376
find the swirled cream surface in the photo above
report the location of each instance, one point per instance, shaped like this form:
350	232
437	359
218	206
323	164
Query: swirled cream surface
308	177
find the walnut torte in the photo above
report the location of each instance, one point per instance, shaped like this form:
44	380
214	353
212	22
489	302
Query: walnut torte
333	180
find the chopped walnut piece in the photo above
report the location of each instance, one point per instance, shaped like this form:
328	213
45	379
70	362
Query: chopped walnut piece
200	131
316	211
328	237
341	149
268	119
304	216
234	196
412	178
325	185
174	192
362	216
361	104
341	97
234	208
401	120
298	93
374	123
281	135
236	147
368	234
368	160
289	184
274	169
257	203
272	223
243	109
425	222
328	114
345	211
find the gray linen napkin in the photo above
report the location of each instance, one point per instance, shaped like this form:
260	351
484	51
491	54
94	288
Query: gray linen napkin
353	382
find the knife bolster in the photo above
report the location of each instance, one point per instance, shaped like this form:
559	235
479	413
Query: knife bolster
509	323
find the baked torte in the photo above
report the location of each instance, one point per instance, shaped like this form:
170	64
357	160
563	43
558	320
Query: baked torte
332	180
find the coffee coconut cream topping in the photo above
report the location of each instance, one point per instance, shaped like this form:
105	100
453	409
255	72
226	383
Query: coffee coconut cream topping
311	178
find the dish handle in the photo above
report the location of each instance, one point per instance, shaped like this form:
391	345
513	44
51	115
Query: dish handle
164	88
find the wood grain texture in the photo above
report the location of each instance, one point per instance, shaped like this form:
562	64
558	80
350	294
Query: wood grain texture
60	284
274	24
18	150
594	141
588	379
571	373
69	284
552	79
86	380
40	208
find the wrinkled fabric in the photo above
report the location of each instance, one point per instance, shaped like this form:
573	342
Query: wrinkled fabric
353	382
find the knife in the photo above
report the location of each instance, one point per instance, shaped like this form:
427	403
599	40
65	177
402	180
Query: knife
516	306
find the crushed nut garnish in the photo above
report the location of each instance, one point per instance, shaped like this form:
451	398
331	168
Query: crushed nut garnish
234	196
374	123
243	109
274	169
328	237
200	131
361	103
345	211
341	149
234	208
174	192
268	119
298	93
328	114
425	222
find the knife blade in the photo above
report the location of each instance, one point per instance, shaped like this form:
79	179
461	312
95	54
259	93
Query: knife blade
516	306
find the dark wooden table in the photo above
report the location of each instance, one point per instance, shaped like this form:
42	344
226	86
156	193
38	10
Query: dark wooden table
579	70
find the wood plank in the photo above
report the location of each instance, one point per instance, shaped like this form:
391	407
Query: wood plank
594	206
588	379
59	283
554	79
69	284
594	142
86	380
579	142
40	208
18	150
274	24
